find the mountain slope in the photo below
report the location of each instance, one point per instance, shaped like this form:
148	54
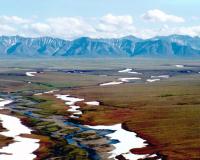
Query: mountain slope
174	45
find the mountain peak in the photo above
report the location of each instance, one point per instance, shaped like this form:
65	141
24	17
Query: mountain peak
173	45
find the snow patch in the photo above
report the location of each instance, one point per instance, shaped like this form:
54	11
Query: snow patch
4	103
128	70
93	103
111	83
129	79
22	148
125	70
127	141
179	66
161	76
134	72
50	92
31	74
70	101
38	94
152	80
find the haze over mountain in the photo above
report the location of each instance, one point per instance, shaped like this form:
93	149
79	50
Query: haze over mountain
130	46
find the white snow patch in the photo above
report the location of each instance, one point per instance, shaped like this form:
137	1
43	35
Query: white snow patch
134	72
127	141
78	113
50	92
47	92
73	116
93	103
70	101
152	80
161	76
125	70
179	66
22	148
129	70
31	74
128	79
38	94
4	103
73	108
111	83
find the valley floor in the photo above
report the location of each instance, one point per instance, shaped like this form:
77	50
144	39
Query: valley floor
155	107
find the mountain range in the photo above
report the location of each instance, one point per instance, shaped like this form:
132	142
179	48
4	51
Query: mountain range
129	46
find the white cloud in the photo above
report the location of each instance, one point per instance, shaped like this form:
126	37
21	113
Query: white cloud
108	26
38	29
69	27
166	30
117	20
192	31
13	20
160	16
7	30
115	26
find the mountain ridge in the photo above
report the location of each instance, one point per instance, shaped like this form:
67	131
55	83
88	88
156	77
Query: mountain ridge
129	46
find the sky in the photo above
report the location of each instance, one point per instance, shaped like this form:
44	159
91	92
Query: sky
70	19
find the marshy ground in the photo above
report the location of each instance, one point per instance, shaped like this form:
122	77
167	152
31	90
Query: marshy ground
165	113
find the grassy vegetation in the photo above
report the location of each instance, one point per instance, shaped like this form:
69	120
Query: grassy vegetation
53	146
93	63
166	114
49	106
48	81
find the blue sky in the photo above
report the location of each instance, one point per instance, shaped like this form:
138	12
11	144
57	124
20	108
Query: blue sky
99	18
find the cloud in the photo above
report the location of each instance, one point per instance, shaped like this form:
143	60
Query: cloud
166	30
36	29
117	20
192	31
70	27
115	26
13	20
108	26
7	30
160	16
